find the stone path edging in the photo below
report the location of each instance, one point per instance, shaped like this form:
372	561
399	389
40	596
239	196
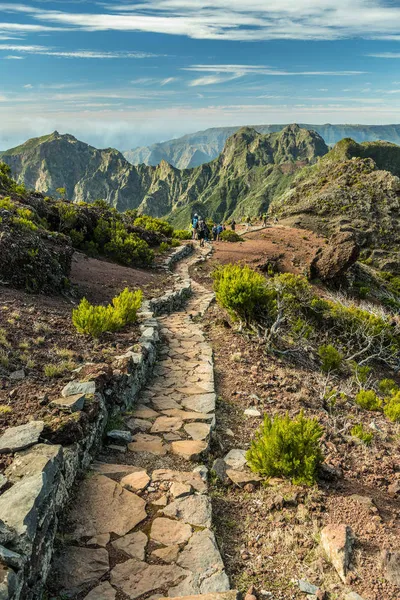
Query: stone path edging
41	476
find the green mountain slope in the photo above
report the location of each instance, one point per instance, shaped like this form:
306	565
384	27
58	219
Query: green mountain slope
197	148
355	187
243	180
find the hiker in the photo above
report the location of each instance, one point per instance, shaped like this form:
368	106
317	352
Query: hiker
201	232
195	226
206	232
233	224
248	223
214	232
265	219
219	231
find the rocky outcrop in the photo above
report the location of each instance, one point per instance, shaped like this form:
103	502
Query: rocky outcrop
332	261
337	542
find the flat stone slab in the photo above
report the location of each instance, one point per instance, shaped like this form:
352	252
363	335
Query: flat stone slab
189	449
179	490
104	506
144	412
104	591
236	459
114	469
136	578
241	478
231	595
169	532
133	544
188	477
78	387
202	403
153	444
75	568
163	403
198	431
99	540
70	403
168	554
120	436
139	425
186	415
18	438
166	425
135	482
201	554
194	509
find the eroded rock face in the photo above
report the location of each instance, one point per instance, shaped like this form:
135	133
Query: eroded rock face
336	258
337	541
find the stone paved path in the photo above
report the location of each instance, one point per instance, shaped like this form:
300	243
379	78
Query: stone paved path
136	530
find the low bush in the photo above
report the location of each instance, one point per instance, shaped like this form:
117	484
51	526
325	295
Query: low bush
243	293
392	408
129	249
182	234
368	400
153	224
362	434
287	447
387	387
164	247
95	320
230	236
331	358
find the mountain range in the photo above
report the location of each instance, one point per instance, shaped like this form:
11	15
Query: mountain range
197	148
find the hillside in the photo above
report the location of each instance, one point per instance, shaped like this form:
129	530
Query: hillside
356	188
197	148
242	180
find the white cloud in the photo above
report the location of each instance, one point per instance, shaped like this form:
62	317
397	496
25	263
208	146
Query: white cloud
45	51
386	54
168	80
11	57
233	19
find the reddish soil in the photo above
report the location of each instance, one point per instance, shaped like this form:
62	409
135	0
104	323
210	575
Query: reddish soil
36	330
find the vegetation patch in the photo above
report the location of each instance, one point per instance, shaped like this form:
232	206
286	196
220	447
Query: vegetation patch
230	236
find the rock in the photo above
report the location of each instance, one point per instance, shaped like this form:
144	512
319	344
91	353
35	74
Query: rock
168	554
201	554
116	448
136	482
8	583
104	506
162	501
142	442
203	472
99	540
144	412
328	472
74	568
391	566
114	469
192	478
218	582
195	510
139	425
104	591
336	258
169	532
21	437
166	425
189	449
17	375
79	387
353	596
69	403
123	437
229	595
365	501
306	587
172	437
3	481
219	467
393	489
236	459
241	478
187	415
135	578
133	544
252	412
198	431
178	490
10	558
337	541
201	403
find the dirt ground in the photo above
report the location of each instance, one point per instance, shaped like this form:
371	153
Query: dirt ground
36	331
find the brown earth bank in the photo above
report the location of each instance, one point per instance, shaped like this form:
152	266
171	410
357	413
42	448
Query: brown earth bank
37	331
270	536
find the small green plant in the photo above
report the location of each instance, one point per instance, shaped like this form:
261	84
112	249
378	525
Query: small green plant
5	410
362	434
4	360
182	234
52	370
164	247
331	358
3	338
368	400
392	408
287	447
153	224
387	387
95	320
230	236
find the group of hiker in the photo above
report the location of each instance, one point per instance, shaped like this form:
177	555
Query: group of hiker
204	232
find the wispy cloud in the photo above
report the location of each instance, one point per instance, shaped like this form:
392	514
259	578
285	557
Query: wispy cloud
45	51
386	54
11	57
168	80
232	19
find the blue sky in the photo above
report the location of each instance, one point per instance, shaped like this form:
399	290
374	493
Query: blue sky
124	73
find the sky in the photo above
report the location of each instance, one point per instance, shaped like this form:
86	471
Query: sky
126	73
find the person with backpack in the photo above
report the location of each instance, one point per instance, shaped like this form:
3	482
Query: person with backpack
219	231
233	224
248	223
201	233
265	219
195	226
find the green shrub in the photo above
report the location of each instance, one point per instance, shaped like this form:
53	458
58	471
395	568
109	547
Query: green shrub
129	250
243	293
387	387
392	408
175	243
368	400
362	434
95	320
24	223
7	204
287	447
182	234
164	247
230	236
331	358
361	372
153	224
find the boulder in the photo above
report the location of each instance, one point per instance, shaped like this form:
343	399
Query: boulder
391	566
333	260
21	437
337	541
